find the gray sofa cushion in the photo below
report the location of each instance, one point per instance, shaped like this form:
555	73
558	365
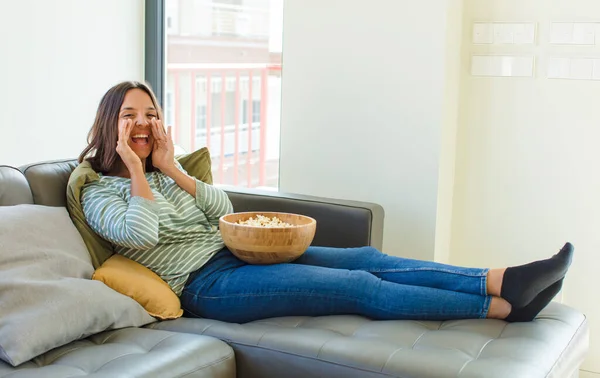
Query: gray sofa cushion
14	188
48	181
47	296
351	346
131	353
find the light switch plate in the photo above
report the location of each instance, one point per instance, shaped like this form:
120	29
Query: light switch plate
584	34
581	69
574	33
502	33
596	73
524	34
574	68
483	33
561	33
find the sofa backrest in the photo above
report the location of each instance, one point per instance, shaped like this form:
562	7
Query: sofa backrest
40	183
48	181
14	188
341	223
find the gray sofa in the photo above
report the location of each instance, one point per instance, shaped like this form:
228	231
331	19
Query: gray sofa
554	345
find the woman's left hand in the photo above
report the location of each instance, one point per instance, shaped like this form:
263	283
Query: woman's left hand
163	151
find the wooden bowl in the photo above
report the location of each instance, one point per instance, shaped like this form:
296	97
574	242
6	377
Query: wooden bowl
267	245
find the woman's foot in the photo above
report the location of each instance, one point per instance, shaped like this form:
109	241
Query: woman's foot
529	312
521	284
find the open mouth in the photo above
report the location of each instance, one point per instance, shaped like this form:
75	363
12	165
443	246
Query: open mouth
140	139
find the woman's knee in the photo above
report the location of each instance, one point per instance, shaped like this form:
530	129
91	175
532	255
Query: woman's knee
369	253
362	283
372	250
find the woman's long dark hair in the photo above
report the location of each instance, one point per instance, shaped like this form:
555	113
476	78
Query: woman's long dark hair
103	136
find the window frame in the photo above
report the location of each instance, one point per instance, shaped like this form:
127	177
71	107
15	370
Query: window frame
155	47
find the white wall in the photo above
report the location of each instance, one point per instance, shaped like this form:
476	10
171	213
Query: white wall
363	108
445	198
57	59
527	176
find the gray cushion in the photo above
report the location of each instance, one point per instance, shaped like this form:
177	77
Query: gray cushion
48	181
132	352
553	345
14	189
48	298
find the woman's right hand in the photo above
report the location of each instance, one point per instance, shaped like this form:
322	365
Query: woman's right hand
130	159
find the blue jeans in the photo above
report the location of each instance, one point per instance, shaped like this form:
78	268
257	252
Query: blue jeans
335	281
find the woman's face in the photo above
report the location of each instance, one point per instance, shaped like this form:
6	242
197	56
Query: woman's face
137	107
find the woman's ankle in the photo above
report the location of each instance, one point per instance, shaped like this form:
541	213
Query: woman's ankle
499	308
494	281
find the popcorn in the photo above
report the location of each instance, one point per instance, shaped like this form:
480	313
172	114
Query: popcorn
262	221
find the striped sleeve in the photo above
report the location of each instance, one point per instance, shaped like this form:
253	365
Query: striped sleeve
131	225
213	201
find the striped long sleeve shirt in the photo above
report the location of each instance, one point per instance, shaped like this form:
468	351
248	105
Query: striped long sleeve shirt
173	235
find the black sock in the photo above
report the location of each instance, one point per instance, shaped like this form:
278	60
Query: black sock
529	312
523	283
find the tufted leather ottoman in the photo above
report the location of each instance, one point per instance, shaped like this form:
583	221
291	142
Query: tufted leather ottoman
351	346
132	352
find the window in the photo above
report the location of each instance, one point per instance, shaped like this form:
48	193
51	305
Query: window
168	108
255	111
200	117
222	83
171	17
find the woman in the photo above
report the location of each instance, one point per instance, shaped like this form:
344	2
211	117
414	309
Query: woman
154	213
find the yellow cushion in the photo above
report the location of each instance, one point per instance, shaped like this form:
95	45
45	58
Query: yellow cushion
140	283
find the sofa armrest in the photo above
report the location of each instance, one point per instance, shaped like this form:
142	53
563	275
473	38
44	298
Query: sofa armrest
340	223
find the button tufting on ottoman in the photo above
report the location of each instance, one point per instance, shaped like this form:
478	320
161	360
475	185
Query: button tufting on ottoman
352	346
132	352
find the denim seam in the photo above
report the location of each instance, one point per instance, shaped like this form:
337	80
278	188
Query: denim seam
486	307
482	275
405	270
484	282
